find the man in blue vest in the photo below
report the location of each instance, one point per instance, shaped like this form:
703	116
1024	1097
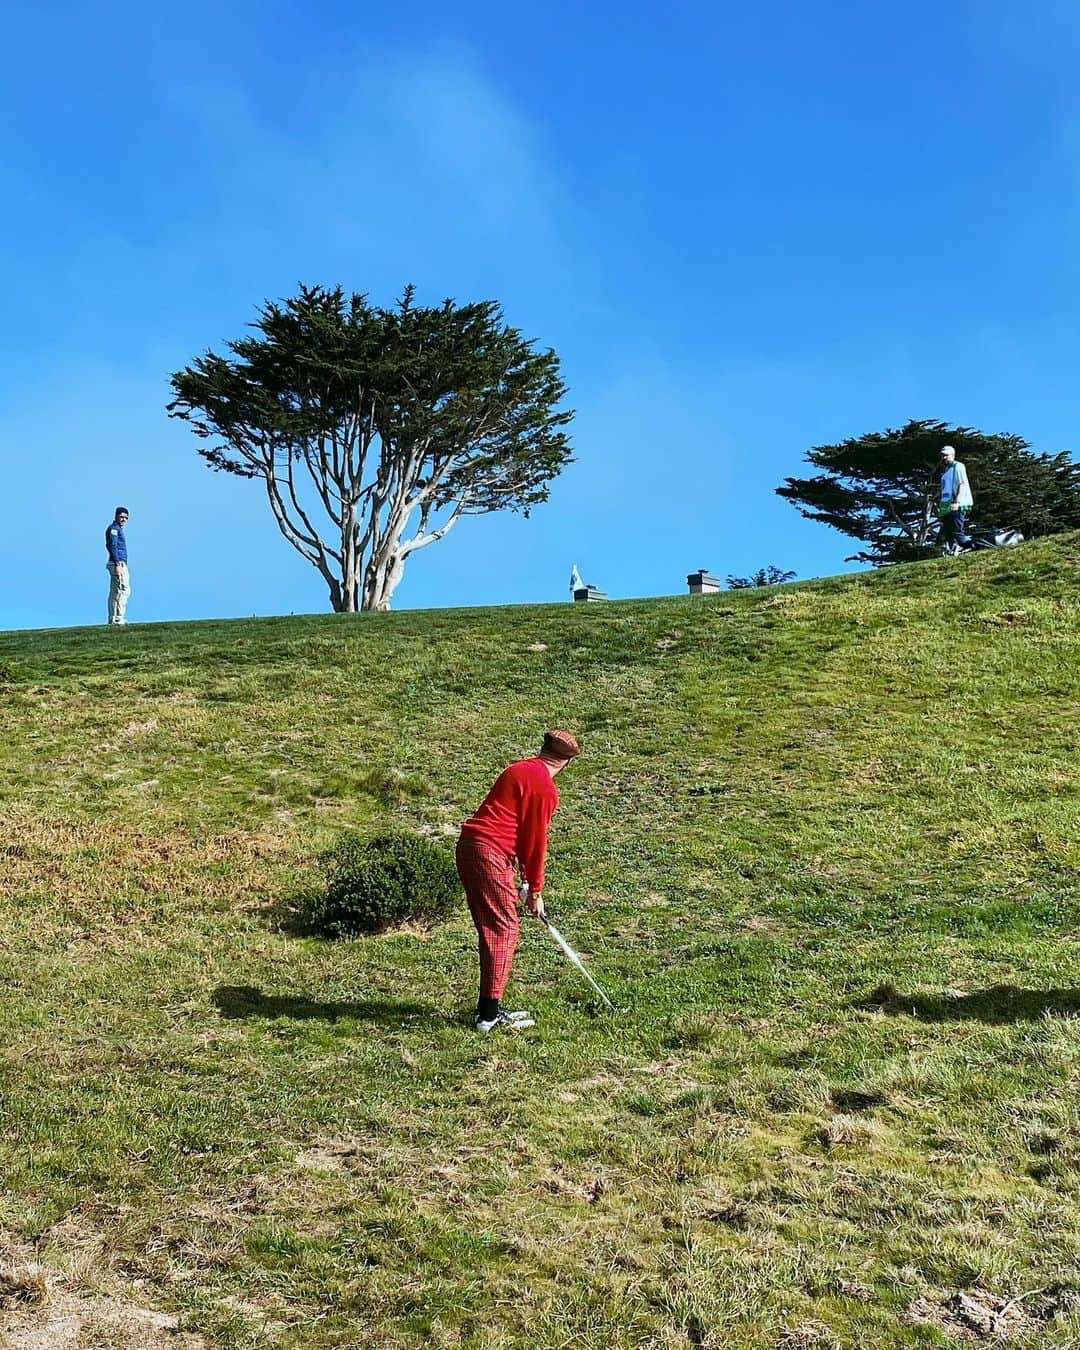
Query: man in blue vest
954	502
117	566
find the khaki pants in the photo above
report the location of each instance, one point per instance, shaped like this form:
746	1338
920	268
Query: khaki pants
119	590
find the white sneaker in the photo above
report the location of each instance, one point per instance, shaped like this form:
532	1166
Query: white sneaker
509	1021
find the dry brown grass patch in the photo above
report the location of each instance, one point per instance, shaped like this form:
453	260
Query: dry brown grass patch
41	1310
22	1285
976	1315
73	1322
845	1131
73	861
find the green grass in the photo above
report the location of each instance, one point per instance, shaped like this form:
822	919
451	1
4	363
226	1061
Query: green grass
822	849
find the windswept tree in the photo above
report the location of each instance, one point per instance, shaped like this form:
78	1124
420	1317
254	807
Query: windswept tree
882	488
764	576
373	431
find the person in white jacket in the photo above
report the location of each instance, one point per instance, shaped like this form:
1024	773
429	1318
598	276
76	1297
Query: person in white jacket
954	502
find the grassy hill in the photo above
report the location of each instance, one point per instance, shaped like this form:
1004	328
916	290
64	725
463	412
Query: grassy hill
821	848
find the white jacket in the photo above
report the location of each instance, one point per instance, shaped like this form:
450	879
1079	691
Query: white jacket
955	486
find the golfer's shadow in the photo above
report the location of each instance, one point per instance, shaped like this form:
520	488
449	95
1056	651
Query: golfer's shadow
1002	1003
238	1001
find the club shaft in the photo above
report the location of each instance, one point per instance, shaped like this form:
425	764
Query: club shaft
573	957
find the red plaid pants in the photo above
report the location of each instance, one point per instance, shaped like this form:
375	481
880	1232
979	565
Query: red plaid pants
487	873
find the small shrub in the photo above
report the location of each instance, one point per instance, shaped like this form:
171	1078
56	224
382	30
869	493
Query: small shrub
375	883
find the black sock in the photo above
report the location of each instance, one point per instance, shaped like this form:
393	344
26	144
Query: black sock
487	1008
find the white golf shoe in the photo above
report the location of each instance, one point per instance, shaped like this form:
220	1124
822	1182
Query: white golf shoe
509	1021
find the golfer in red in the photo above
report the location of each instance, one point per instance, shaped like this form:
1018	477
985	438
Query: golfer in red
511	822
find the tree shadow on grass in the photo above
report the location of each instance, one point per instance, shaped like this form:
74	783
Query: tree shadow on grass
1002	1003
237	1001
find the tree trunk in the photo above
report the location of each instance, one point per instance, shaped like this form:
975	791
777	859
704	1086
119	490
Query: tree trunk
350	563
381	580
391	576
929	519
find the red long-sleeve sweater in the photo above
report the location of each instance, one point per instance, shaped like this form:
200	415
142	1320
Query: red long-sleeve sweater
514	816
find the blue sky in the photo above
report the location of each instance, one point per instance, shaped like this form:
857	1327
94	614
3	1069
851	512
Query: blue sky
746	231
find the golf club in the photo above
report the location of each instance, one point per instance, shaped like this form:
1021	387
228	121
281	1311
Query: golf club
573	958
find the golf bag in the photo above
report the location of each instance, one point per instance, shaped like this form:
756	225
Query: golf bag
996	539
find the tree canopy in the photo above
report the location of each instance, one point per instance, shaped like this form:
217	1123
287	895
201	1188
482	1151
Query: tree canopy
764	576
882	488
374	430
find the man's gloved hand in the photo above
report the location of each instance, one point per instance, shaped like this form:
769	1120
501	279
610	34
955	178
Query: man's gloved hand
534	900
